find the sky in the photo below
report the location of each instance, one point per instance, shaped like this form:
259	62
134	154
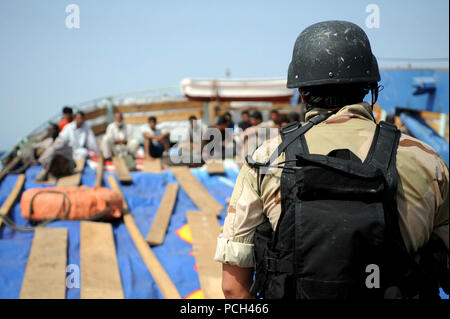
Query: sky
125	46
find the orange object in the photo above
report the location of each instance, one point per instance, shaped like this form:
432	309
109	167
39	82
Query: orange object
74	203
62	123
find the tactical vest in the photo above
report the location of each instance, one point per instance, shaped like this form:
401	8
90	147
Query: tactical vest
338	234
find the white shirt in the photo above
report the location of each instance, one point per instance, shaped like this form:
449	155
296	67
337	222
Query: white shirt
114	132
80	139
194	132
147	129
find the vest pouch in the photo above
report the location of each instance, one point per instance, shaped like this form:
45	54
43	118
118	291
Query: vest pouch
319	289
317	183
335	242
280	286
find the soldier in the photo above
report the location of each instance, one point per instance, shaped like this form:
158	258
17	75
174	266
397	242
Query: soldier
343	196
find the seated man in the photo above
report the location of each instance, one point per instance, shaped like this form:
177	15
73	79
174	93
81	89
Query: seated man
80	137
190	142
284	120
38	147
156	142
218	142
245	123
275	116
256	134
66	119
35	146
56	160
118	139
294	117
256	121
229	118
195	128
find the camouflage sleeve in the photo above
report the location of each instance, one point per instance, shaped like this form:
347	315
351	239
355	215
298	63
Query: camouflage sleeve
422	194
249	205
441	185
235	243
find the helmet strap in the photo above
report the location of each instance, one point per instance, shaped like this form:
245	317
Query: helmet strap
374	95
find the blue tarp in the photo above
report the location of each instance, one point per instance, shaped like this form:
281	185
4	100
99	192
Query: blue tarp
143	198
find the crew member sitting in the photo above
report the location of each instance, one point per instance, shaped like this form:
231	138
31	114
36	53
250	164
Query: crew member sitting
80	137
156	142
256	134
66	119
245	123
118	139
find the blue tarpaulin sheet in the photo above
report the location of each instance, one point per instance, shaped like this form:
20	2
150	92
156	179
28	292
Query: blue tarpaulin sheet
143	198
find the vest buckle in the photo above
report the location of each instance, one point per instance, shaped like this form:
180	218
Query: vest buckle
271	264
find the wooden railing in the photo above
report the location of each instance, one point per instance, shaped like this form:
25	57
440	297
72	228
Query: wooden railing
178	116
164	111
165	106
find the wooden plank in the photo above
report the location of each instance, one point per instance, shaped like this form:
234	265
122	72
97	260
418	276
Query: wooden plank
158	273
99	128
439	125
427	115
195	190
222	108
215	167
8	167
152	166
13	195
41	176
74	179
398	123
45	275
42	179
212	112
99	172
377	108
176	116
164	106
205	230
100	276
122	170
435	126
158	229
89	115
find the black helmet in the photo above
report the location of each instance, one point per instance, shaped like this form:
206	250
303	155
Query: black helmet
332	52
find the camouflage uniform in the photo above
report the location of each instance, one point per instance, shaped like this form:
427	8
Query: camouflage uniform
422	194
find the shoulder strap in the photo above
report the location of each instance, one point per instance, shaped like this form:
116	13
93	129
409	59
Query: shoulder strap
290	135
383	150
346	166
380	158
383	153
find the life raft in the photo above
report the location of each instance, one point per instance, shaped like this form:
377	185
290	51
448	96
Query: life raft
71	203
